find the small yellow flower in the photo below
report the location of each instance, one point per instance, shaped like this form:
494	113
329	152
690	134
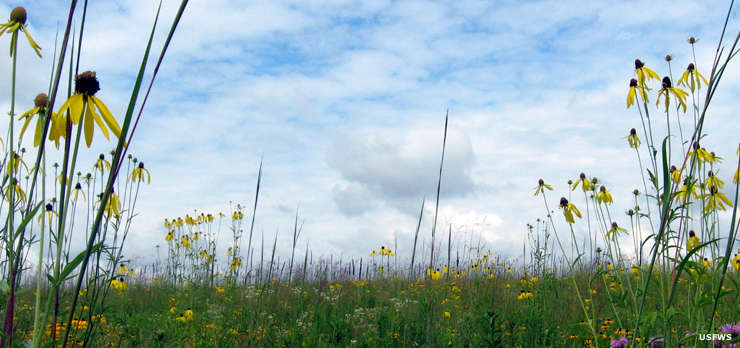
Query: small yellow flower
188	314
113	206
541	186
603	196
644	74
633	139
56	129
692	79
614	231
447	314
119	284
568	210
693	242
586	184
17	22
633	91
170	235
14	187
715	200
49	212
668	90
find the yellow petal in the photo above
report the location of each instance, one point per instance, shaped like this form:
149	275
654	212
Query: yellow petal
107	116
89	128
39	131
34	45
97	119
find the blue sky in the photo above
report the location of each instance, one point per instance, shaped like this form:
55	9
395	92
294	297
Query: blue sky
346	102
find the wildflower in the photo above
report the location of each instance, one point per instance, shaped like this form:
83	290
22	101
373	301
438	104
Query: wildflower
447	314
706	263
541	186
15	161
568	210
688	188
113	206
614	231
237	215
437	275
180	318
170	235
693	241
122	269
716	200
84	99
77	191
14	187
675	175
604	196
633	139
633	90
56	129
119	284
701	155
524	295
219	290
49	212
667	90
691	78
17	22
736	262
188	314
643	74
713	181
582	179
619	343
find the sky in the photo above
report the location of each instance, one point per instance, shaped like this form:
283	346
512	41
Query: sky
345	101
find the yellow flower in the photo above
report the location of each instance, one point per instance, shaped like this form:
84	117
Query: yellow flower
675	175
701	154
643	74
586	184
716	200
49	212
169	236
568	210
113	206
604	196
180	318
706	263
691	78
667	90
84	100
77	191
17	22
714	181
693	242
119	285
447	314
237	215
688	187
13	186
541	186
633	139
633	91
219	289
185	241
736	262
15	164
56	129
188	314
614	231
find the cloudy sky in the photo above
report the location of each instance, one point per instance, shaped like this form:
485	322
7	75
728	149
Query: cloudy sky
345	101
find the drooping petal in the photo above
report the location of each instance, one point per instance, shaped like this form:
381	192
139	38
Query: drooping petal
33	44
97	119
107	116
89	127
39	130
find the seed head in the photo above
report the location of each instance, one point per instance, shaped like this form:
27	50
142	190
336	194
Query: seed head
692	234
141	165
602	188
87	83
563	202
710	174
594	180
668	57
18	15
541	182
630	212
690	67
78	186
633	131
692	40
614	225
49	207
666	82
636	192
633	83
583	175
41	100
639	64
102	156
673	169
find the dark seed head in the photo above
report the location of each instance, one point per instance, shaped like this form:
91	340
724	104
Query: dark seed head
633	131
87	83
41	100
18	15
630	212
639	64
710	174
636	192
594	180
78	186
692	40
614	225
690	67
564	202
49	207
141	165
692	234
583	175
570	182
673	169
633	83
666	82
668	57
541	182
102	156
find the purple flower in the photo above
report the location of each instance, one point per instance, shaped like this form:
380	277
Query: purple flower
620	343
656	342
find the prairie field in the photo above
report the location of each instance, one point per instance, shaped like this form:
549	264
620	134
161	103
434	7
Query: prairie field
558	192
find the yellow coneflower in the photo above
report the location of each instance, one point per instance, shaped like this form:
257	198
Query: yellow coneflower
586	184
101	164
17	22
667	90
715	200
56	128
185	241
13	186
603	196
119	284
736	262
188	314
84	99
693	242
237	215
569	209
706	263
113	206
15	164
77	191
632	139
632	94
714	181
541	186
701	155
688	189
691	78
644	74
170	235
614	231
675	175
49	212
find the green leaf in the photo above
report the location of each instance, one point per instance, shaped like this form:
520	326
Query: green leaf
69	267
